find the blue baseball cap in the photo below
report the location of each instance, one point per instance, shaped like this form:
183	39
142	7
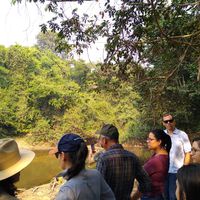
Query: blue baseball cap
69	142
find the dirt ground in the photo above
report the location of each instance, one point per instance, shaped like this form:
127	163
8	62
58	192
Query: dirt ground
43	192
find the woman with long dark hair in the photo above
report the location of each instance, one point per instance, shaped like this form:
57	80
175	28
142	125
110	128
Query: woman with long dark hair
81	183
157	166
188	182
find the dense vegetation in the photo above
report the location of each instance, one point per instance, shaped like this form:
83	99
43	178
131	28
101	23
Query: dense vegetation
152	67
45	96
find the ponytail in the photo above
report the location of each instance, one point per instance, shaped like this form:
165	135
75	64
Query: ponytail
77	159
165	139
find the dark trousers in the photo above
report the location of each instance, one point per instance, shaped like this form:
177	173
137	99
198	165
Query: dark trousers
170	187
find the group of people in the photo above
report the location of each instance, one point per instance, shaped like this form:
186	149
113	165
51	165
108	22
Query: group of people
167	175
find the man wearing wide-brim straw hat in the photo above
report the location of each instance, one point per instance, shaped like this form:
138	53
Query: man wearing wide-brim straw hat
12	161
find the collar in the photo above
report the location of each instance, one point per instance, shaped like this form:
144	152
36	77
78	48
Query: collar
174	132
116	146
62	174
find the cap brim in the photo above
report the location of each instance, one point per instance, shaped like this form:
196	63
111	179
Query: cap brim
53	150
26	157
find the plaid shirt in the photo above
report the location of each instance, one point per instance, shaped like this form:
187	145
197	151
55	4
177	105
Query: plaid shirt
120	168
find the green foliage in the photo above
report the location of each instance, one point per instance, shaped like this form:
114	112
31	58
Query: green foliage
3	77
153	46
50	41
79	72
44	96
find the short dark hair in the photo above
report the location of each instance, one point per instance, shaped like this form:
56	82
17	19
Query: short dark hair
110	131
188	178
197	139
165	139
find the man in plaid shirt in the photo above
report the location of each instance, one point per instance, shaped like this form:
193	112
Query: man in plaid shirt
120	167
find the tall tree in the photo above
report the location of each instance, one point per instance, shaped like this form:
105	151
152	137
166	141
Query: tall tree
41	95
49	41
155	43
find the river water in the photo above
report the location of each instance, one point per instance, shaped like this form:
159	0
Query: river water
44	167
41	170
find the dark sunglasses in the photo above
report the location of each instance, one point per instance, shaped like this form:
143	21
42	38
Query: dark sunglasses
57	154
168	121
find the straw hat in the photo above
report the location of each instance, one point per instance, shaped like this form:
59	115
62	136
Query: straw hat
13	159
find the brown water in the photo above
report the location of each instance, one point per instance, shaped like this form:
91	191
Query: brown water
41	170
44	167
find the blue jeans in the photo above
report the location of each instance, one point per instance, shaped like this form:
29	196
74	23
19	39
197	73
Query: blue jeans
170	187
160	197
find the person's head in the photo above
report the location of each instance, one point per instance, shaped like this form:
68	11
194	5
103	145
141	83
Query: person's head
168	122
158	139
12	161
109	135
195	153
188	182
72	152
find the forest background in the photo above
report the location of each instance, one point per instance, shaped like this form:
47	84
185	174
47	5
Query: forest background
152	67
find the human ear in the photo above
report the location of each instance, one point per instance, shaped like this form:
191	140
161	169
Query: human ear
105	141
62	156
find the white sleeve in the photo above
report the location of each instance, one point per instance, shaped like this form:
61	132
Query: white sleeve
186	142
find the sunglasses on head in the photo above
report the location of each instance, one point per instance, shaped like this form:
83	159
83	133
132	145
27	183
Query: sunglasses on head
168	121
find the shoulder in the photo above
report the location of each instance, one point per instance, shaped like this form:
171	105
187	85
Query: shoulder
66	185
162	158
151	160
117	153
91	172
180	133
130	155
88	174
66	190
156	163
158	159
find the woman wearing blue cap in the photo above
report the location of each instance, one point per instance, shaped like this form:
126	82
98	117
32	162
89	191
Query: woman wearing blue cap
81	183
